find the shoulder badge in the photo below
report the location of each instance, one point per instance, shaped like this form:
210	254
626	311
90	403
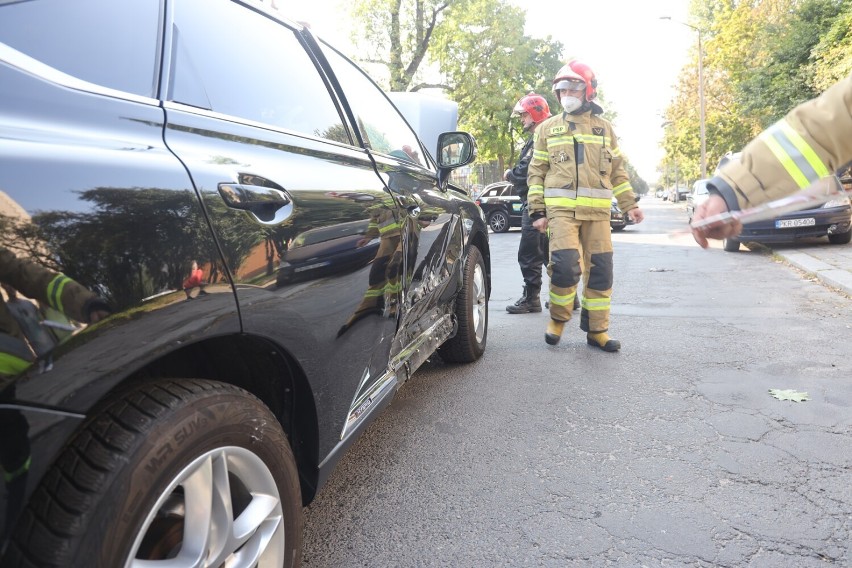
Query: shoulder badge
557	130
598	130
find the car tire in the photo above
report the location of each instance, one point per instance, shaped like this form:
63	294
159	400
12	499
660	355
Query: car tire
468	344
619	228
731	245
498	221
167	463
840	238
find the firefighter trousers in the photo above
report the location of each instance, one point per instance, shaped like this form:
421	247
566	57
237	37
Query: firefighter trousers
569	238
532	253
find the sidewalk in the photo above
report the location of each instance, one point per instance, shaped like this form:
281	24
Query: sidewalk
832	264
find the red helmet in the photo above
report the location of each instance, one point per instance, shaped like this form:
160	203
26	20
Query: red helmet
576	71
534	105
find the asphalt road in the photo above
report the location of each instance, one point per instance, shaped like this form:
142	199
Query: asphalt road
669	453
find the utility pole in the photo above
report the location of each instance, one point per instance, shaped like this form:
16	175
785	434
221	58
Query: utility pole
701	105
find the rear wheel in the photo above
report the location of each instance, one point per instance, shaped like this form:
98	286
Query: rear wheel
468	344
498	221
840	238
731	245
176	472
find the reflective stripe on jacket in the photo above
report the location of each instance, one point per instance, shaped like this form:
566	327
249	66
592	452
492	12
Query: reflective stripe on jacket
576	168
812	141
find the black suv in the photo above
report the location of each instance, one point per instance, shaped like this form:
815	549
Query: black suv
278	252
501	206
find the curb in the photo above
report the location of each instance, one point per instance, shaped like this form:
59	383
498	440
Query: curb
825	273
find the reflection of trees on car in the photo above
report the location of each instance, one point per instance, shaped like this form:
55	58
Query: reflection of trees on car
104	249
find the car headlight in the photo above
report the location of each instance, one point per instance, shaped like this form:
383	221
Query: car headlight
839	202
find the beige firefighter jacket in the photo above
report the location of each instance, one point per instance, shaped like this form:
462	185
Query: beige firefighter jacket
577	168
811	142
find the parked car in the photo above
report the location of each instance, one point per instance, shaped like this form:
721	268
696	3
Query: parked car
501	206
660	193
696	197
677	194
618	221
330	259
832	220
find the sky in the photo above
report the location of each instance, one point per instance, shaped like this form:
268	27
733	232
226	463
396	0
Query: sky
636	56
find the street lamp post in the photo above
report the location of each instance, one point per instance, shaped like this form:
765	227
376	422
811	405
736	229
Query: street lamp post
700	94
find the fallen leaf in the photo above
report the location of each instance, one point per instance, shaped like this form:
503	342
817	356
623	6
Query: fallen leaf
789	394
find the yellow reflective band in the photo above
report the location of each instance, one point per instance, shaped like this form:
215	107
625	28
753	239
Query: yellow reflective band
621	188
540	155
616	152
568	203
593	139
388	227
535	190
11	365
596	304
54	291
559	141
786	161
374	292
11	475
805	149
558	300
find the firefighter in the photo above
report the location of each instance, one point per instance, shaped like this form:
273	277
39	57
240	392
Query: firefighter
575	171
532	110
48	287
811	142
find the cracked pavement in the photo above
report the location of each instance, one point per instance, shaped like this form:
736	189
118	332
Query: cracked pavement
668	453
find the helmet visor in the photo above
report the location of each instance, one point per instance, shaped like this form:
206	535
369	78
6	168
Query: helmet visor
569	85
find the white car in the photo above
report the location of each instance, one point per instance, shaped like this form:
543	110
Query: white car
696	197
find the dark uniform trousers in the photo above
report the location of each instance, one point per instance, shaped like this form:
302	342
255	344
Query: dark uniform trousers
532	253
568	237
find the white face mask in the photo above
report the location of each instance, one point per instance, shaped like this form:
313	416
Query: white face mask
570	104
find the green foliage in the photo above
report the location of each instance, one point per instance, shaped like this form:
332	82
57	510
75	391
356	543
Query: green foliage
832	56
478	51
761	59
640	186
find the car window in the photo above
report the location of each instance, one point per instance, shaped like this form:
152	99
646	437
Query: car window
70	36
380	123
264	76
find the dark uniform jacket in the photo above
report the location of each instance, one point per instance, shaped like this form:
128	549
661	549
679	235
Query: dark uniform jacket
518	174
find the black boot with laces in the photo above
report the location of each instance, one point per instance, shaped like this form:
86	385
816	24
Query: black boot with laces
528	303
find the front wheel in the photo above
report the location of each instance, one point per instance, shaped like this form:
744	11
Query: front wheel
840	238
731	245
498	221
176	473
471	309
618	228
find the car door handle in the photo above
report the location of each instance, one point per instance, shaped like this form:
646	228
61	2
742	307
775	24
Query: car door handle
269	206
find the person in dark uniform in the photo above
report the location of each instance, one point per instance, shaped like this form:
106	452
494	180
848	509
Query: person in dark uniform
532	110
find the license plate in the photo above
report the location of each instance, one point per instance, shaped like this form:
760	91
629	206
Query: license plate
787	223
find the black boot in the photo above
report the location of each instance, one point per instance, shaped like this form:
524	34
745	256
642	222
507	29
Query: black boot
528	303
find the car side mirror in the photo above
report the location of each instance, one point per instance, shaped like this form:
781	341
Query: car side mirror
455	149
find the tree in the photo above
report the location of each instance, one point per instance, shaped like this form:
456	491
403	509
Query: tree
832	56
396	35
488	64
484	61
